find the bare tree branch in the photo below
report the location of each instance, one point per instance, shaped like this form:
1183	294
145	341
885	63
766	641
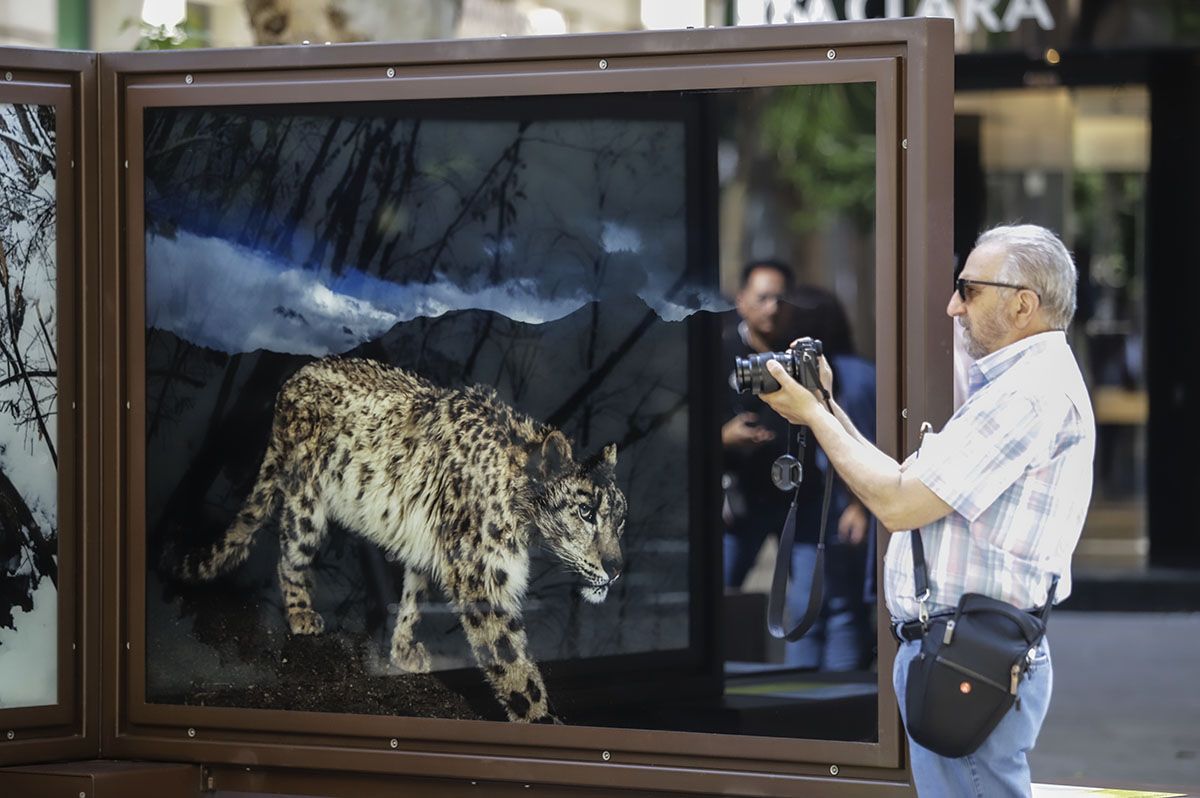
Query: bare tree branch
23	375
25	144
19	365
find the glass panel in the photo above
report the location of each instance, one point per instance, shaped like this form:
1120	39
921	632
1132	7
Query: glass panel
28	408
1076	160
423	433
798	205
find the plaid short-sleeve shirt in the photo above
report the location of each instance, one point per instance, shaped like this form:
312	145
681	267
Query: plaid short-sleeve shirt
1015	463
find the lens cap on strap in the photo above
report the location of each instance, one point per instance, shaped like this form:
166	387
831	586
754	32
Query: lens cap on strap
786	472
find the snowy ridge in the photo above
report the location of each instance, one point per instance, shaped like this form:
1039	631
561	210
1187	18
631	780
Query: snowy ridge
223	296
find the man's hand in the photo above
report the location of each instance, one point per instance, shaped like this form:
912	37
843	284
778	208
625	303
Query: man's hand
825	370
792	401
742	431
852	526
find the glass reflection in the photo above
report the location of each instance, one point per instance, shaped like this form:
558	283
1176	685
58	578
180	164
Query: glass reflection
797	210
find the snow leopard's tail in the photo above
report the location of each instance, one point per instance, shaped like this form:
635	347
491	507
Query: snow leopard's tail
233	548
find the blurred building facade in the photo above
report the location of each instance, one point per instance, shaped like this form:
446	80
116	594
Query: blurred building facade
1082	115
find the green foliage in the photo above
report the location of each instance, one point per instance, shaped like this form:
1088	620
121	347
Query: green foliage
821	140
187	36
1185	16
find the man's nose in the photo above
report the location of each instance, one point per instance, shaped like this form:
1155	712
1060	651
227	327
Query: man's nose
955	307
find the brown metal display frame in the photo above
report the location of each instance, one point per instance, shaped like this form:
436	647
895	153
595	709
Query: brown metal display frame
775	68
911	64
70	727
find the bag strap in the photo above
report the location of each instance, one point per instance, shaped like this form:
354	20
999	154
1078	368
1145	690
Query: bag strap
787	540
1044	612
921	573
921	579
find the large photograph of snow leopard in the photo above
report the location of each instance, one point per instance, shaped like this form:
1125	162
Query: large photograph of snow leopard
418	408
433	400
452	483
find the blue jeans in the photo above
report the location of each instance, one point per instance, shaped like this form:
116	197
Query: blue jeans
999	768
837	640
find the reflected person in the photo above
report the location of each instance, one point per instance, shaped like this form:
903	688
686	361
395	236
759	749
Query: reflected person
844	634
772	313
752	436
1000	493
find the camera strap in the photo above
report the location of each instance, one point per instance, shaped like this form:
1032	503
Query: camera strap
787	538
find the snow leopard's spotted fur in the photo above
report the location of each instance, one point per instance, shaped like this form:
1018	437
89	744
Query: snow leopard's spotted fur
452	483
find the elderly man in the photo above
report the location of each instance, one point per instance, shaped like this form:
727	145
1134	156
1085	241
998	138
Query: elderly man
1000	494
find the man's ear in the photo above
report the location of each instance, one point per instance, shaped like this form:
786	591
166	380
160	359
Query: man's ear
554	458
1028	304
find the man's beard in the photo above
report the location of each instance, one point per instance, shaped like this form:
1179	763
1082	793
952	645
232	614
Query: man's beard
980	339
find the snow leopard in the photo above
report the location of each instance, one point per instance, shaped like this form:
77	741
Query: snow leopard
452	483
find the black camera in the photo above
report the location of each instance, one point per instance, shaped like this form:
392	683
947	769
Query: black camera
750	374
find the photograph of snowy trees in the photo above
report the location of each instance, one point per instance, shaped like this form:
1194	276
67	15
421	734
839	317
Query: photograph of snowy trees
537	248
28	407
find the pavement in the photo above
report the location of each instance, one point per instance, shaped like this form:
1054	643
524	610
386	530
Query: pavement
1125	711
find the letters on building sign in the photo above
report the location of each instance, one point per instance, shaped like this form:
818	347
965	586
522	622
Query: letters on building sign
993	16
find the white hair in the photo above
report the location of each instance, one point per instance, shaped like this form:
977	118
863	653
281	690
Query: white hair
1036	258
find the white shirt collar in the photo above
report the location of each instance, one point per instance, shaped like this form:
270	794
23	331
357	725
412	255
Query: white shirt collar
990	367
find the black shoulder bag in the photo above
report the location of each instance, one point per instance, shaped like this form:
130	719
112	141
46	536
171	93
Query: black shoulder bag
966	676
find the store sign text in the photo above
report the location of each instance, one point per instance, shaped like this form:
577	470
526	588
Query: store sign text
968	15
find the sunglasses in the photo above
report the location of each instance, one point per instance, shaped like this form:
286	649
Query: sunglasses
960	285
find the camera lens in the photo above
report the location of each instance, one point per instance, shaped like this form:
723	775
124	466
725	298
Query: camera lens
751	376
741	374
750	373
